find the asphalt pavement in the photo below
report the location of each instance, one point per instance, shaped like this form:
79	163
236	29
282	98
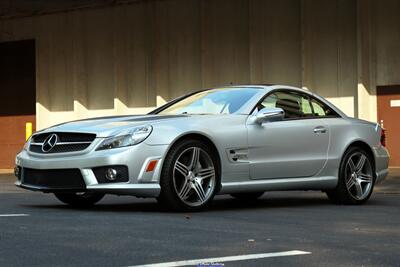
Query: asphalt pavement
37	230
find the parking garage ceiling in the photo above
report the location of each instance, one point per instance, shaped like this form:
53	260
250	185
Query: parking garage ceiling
25	8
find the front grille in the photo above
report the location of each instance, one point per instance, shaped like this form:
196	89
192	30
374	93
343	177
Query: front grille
65	137
60	148
66	142
70	179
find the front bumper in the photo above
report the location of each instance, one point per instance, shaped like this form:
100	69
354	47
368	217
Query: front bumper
136	158
139	190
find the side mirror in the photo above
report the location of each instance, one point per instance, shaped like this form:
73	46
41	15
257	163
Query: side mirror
269	114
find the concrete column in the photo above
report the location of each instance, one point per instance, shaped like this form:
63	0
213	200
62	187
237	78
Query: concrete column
366	60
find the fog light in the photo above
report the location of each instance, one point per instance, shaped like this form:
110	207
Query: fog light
111	174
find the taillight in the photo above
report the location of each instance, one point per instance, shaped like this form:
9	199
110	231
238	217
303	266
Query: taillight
383	137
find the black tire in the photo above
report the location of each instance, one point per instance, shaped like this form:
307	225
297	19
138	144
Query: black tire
168	198
247	196
85	199
341	194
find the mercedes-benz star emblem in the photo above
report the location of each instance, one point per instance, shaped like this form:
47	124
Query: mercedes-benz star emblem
49	143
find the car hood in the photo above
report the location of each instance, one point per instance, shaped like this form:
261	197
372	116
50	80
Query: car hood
109	126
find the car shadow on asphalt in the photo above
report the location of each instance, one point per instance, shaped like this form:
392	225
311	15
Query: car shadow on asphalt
219	204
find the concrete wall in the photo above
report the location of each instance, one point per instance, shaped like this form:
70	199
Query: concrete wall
388	42
131	58
330	51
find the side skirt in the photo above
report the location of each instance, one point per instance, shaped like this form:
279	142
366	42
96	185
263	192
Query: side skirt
311	183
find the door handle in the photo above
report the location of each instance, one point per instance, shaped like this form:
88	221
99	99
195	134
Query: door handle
319	129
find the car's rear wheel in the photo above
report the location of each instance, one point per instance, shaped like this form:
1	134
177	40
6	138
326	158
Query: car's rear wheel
356	178
189	176
248	196
79	199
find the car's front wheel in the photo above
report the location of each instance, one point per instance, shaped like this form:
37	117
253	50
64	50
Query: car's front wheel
83	199
189	176
356	178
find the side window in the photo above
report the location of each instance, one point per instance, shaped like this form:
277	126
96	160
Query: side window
268	102
306	107
295	105
322	110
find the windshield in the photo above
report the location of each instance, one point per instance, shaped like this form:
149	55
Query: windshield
215	101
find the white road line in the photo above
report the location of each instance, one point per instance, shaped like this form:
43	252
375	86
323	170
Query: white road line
13	215
226	259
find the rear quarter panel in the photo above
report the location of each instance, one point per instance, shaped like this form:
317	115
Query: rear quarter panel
346	131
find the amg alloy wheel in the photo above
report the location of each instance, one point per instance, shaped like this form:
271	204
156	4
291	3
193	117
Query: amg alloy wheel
189	176
356	178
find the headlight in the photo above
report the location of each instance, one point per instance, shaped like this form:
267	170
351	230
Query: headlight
126	138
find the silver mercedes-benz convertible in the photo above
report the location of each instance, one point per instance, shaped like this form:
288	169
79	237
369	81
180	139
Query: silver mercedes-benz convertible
238	140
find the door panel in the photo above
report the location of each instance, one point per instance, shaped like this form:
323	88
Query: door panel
388	115
288	149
